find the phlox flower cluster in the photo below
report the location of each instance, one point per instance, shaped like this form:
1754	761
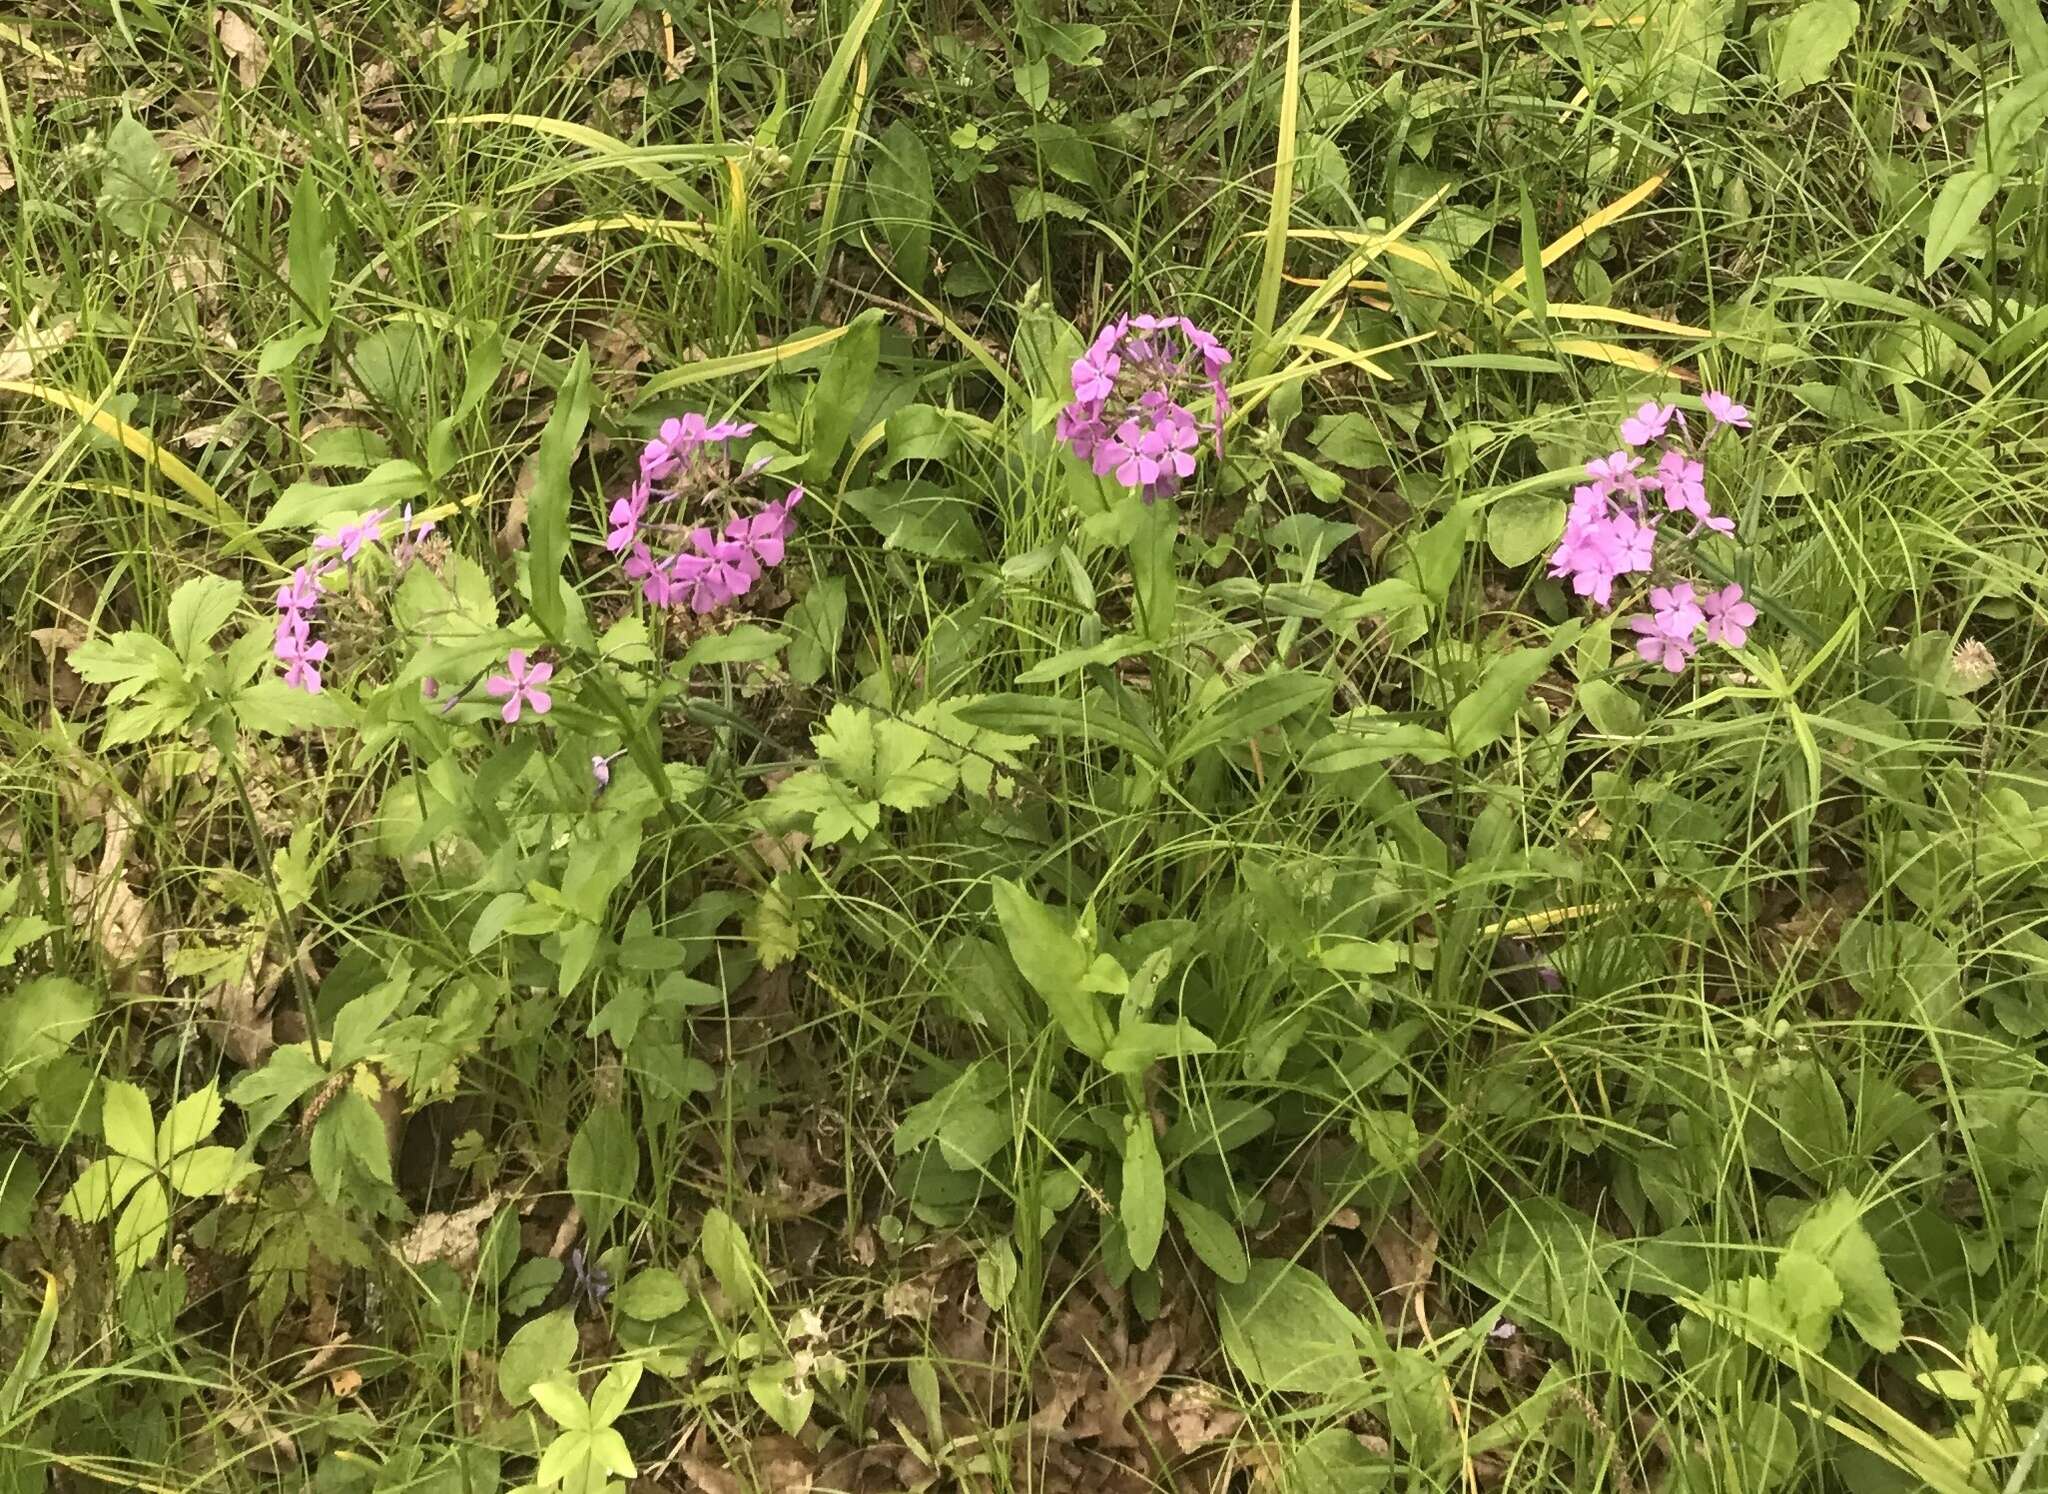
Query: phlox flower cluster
1131	416
300	599
1651	490
689	465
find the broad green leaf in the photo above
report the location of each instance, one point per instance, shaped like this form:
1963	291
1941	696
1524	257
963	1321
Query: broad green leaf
1285	1331
2015	120
273	708
1333	1461
816	624
1362	738
547	506
139	1233
1806	43
1904	970
1483	717
136	181
312	503
995	1272
1522	526
1612	710
1143	1205
843	389
1433	558
1055	963
1251	708
558	1398
349	1137
207	1171
1213	1238
199	609
613	1393
1349	440
724	1248
540	1350
265	1094
189	1122
652	1294
971	1134
125	1121
309	249
1139	1045
921	518
900	198
38	1022
1956	210
604	1167
103	1185
1834	1234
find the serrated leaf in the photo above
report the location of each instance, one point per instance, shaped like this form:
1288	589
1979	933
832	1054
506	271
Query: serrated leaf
189	1122
125	1121
37	1022
206	1172
139	1233
1834	1234
199	609
272	708
102	1187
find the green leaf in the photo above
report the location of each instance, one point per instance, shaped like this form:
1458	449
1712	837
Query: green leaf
744	644
730	1258
547	506
1333	1462
199	609
1143	1205
1363	737
348	1140
1433	558
125	1121
1055	963
652	1294
604	1167
541	1350
207	1171
1963	199
265	1094
273	708
1349	440
1285	1331
1806	43
1834	1234
995	1272
843	389
1522	526
1251	708
1903	970
815	626
900	197
189	1122
309	249
2016	119
312	503
1612	710
1483	716
1029	204
102	1186
1139	1045
38	1022
613	1392
139	1233
558	1398
1111	650
1213	1238
921	518
136	183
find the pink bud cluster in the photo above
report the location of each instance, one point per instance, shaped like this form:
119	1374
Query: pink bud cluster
299	653
689	463
1130	418
1641	494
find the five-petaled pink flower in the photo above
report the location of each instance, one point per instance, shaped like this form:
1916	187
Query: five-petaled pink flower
1725	410
1647	424
350	538
520	686
1729	617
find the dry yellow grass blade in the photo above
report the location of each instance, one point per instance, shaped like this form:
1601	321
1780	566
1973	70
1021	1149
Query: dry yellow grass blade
212	506
706	369
1574	311
1602	352
1280	210
1576	235
688	232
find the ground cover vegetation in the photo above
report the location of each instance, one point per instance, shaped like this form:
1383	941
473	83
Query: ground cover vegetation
893	745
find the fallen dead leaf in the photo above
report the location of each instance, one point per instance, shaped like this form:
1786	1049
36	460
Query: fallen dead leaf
452	1237
1196	1417
909	1299
241	1010
1407	1249
32	343
105	905
512	529
249	51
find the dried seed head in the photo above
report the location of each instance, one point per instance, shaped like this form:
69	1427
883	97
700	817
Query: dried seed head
1972	664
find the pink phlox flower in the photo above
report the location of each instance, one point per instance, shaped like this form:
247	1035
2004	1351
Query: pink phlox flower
1080	427
1615	471
351	538
767	532
1659	646
601	768
301	592
520	686
1729	617
1648	424
626	513
1684	484
303	673
1678	615
1725	410
1094	375
1600	544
